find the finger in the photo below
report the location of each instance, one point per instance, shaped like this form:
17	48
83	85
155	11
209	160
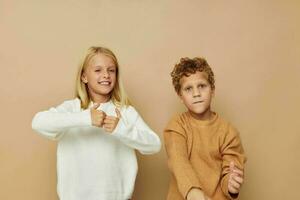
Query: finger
234	184
238	179
95	106
118	113
238	172
109	121
111	118
102	113
231	166
232	190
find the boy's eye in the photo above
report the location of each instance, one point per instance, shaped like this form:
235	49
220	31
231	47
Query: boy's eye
112	70
202	85
188	89
97	70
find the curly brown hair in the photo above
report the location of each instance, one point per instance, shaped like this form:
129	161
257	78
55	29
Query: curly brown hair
188	66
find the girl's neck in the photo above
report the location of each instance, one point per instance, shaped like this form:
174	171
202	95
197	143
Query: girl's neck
96	98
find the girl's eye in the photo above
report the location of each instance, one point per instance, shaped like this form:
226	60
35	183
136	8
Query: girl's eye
97	70
112	70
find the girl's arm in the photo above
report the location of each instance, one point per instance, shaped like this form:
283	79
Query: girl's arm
134	132
55	121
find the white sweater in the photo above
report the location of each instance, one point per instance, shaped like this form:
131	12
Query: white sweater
91	163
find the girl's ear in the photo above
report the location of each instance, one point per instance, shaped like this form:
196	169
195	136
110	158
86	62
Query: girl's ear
84	78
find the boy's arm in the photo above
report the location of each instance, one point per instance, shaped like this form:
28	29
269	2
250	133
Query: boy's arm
231	151
178	161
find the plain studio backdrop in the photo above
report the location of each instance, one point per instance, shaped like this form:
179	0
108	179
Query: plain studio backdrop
252	46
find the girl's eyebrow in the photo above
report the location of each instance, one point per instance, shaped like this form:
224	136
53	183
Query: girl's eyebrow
110	66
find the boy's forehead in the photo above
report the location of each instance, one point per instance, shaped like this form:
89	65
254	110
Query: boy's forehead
197	76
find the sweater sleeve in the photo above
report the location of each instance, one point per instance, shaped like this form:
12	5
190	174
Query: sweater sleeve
231	150
54	122
135	133
178	160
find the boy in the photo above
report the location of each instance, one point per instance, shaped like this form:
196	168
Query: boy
205	154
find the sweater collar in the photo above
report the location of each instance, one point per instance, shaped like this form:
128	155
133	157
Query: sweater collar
208	122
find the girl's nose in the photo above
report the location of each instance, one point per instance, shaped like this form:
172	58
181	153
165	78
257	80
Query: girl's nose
105	74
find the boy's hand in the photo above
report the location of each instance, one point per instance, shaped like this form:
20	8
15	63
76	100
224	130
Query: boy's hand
196	194
110	122
97	116
236	178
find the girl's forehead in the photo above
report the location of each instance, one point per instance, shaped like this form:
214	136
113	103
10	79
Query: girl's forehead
102	60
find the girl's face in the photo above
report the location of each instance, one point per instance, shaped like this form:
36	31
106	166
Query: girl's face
100	77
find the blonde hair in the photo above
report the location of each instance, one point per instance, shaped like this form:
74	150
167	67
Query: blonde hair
118	95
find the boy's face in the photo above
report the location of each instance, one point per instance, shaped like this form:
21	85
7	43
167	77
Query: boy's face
196	94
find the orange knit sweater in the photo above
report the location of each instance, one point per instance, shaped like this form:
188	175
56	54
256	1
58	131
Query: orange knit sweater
199	153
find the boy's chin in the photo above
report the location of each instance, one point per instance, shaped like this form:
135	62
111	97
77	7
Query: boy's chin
201	114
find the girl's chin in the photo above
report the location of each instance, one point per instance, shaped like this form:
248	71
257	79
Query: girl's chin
103	93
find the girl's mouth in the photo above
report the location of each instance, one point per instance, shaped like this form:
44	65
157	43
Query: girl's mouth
104	82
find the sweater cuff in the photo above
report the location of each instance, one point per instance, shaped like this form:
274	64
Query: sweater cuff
121	129
233	196
85	118
188	189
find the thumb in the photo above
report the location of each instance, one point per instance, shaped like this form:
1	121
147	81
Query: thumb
118	113
95	106
231	166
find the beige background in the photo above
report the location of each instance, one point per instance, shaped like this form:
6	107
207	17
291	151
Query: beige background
253	47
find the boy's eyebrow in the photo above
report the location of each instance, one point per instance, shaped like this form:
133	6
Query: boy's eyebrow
185	86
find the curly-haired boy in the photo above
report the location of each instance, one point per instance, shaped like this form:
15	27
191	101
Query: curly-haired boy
205	154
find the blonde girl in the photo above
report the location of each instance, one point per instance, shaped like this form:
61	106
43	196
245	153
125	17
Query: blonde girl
97	133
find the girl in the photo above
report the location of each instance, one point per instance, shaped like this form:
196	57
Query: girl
97	134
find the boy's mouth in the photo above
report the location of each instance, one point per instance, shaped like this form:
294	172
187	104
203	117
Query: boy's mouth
198	102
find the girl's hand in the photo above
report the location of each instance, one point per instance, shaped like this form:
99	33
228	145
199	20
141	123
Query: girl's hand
236	178
97	116
110	122
196	194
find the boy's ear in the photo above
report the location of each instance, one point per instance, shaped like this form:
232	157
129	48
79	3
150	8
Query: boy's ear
84	78
213	93
179	95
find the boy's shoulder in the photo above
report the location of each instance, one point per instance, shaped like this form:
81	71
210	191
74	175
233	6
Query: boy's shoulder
179	117
178	120
226	125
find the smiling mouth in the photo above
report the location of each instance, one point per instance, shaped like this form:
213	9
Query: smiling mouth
104	82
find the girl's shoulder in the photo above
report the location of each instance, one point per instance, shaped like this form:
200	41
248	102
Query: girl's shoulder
70	105
128	109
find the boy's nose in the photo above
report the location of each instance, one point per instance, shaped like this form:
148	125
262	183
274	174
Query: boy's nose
196	93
